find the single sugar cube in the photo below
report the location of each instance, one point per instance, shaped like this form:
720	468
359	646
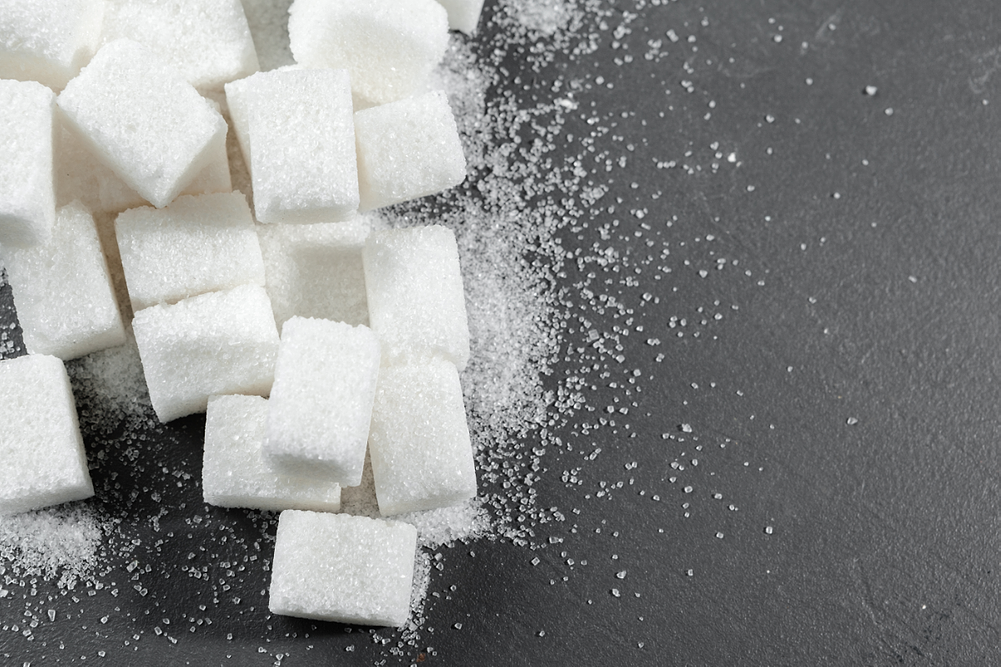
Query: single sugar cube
194	245
389	47
215	343
296	131
207	42
407	149
62	290
316	270
46	41
27	197
234	472
321	402
415	299
42	459
80	175
463	15
343	568
142	120
419	443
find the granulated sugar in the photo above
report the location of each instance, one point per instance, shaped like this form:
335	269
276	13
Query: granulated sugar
533	181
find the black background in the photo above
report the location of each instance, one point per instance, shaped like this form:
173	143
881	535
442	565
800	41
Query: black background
871	240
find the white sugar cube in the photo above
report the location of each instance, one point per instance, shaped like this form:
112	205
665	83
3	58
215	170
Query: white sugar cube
407	149
207	42
142	120
215	343
415	299
47	41
27	197
296	131
463	15
80	175
42	459
316	270
234	472
343	568
321	402
194	245
388	46
419	443
62	290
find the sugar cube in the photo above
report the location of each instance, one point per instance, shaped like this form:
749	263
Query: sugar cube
207	42
142	120
343	568
389	46
194	245
234	472
42	458
216	343
62	290
47	41
407	149
316	270
80	175
419	443
463	15
27	199
321	402
296	130
415	299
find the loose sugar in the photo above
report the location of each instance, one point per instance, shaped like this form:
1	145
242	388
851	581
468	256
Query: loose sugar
142	120
194	245
27	196
62	290
321	402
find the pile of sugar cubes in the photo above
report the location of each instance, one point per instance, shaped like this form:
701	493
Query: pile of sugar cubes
308	332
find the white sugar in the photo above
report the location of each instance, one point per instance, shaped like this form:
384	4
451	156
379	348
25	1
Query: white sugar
207	42
27	196
407	149
316	270
142	120
194	245
388	46
48	41
62	290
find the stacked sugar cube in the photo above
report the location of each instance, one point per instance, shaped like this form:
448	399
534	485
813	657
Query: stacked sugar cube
119	109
